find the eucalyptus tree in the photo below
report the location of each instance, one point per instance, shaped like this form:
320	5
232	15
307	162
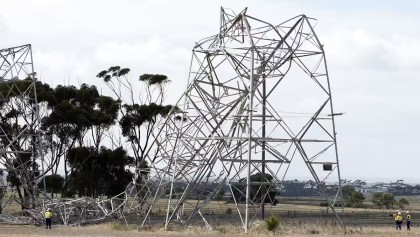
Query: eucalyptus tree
141	111
257	191
103	172
78	117
54	184
64	126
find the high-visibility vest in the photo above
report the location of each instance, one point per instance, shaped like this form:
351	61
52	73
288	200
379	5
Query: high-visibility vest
408	217
395	216
399	218
48	214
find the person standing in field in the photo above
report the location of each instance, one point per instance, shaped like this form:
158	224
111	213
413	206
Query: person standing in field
398	221
48	215
408	219
395	218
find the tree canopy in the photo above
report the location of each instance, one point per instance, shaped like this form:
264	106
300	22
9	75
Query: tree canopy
381	199
102	173
259	193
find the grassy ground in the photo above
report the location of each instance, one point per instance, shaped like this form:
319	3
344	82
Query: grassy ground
258	230
299	204
298	215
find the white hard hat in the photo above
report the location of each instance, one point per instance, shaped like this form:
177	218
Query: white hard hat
407	212
48	209
399	213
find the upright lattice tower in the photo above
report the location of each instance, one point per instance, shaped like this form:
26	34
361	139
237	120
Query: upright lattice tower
258	100
19	123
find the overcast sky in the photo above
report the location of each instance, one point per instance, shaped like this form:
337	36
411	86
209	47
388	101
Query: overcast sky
372	49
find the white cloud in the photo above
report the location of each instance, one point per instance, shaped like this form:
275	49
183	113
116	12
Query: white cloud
59	67
151	51
361	49
3	27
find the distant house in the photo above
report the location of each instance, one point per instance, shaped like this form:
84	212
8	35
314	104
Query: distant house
365	189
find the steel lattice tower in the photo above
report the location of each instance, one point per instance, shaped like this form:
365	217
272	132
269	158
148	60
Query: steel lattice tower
235	121
20	121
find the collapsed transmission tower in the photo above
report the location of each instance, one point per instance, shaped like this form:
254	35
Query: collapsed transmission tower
20	124
21	156
259	98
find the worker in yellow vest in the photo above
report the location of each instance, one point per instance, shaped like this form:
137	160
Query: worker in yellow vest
48	215
395	218
398	221
408	219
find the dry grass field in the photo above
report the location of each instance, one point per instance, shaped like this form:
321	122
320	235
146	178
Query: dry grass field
220	231
299	217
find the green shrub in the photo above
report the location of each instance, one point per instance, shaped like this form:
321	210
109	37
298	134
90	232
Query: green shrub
116	226
272	223
324	204
313	231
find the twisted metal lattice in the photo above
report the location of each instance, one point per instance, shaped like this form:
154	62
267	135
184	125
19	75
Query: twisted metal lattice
20	121
235	120
80	211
